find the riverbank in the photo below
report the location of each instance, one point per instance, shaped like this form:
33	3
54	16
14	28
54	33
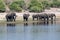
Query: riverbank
19	18
18	22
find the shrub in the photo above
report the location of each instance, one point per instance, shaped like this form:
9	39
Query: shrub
35	6
15	7
56	4
35	9
46	4
21	3
2	7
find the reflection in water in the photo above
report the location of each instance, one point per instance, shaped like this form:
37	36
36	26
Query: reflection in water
11	24
26	31
11	31
11	27
51	22
43	23
25	24
39	23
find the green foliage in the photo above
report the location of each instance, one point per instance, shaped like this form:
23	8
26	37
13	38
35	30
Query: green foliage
35	6
15	7
2	7
56	4
46	4
21	3
35	9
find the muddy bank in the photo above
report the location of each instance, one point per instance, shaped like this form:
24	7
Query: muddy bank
56	11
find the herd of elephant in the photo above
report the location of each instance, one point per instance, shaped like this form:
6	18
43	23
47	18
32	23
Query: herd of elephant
12	16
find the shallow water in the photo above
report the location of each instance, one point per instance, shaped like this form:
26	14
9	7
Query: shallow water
30	31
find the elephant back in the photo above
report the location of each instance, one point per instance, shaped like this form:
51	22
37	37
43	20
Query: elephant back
8	15
35	15
26	15
13	14
51	15
42	15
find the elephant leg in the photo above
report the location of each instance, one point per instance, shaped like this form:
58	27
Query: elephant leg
33	18
51	18
40	18
26	19
14	19
7	20
44	19
11	19
37	18
47	18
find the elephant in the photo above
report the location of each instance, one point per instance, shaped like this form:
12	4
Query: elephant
35	16
39	16
44	16
25	17
52	16
47	16
11	17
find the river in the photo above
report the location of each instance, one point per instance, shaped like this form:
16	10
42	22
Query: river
30	31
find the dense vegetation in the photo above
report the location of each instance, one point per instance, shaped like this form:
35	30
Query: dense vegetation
55	3
2	7
17	5
34	5
37	6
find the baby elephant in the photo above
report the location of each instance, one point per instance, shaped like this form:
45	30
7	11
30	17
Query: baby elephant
25	17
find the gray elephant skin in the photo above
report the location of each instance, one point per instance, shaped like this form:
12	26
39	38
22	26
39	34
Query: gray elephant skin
25	17
43	16
11	17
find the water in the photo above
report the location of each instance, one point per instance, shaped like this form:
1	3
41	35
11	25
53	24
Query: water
30	31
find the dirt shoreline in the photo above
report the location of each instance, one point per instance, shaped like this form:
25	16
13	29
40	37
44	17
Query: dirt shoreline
56	11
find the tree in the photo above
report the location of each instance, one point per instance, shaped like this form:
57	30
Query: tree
2	7
15	7
35	6
46	4
55	3
21	3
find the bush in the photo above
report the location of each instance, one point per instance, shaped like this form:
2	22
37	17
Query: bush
35	9
15	7
21	3
46	4
2	7
35	6
56	4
